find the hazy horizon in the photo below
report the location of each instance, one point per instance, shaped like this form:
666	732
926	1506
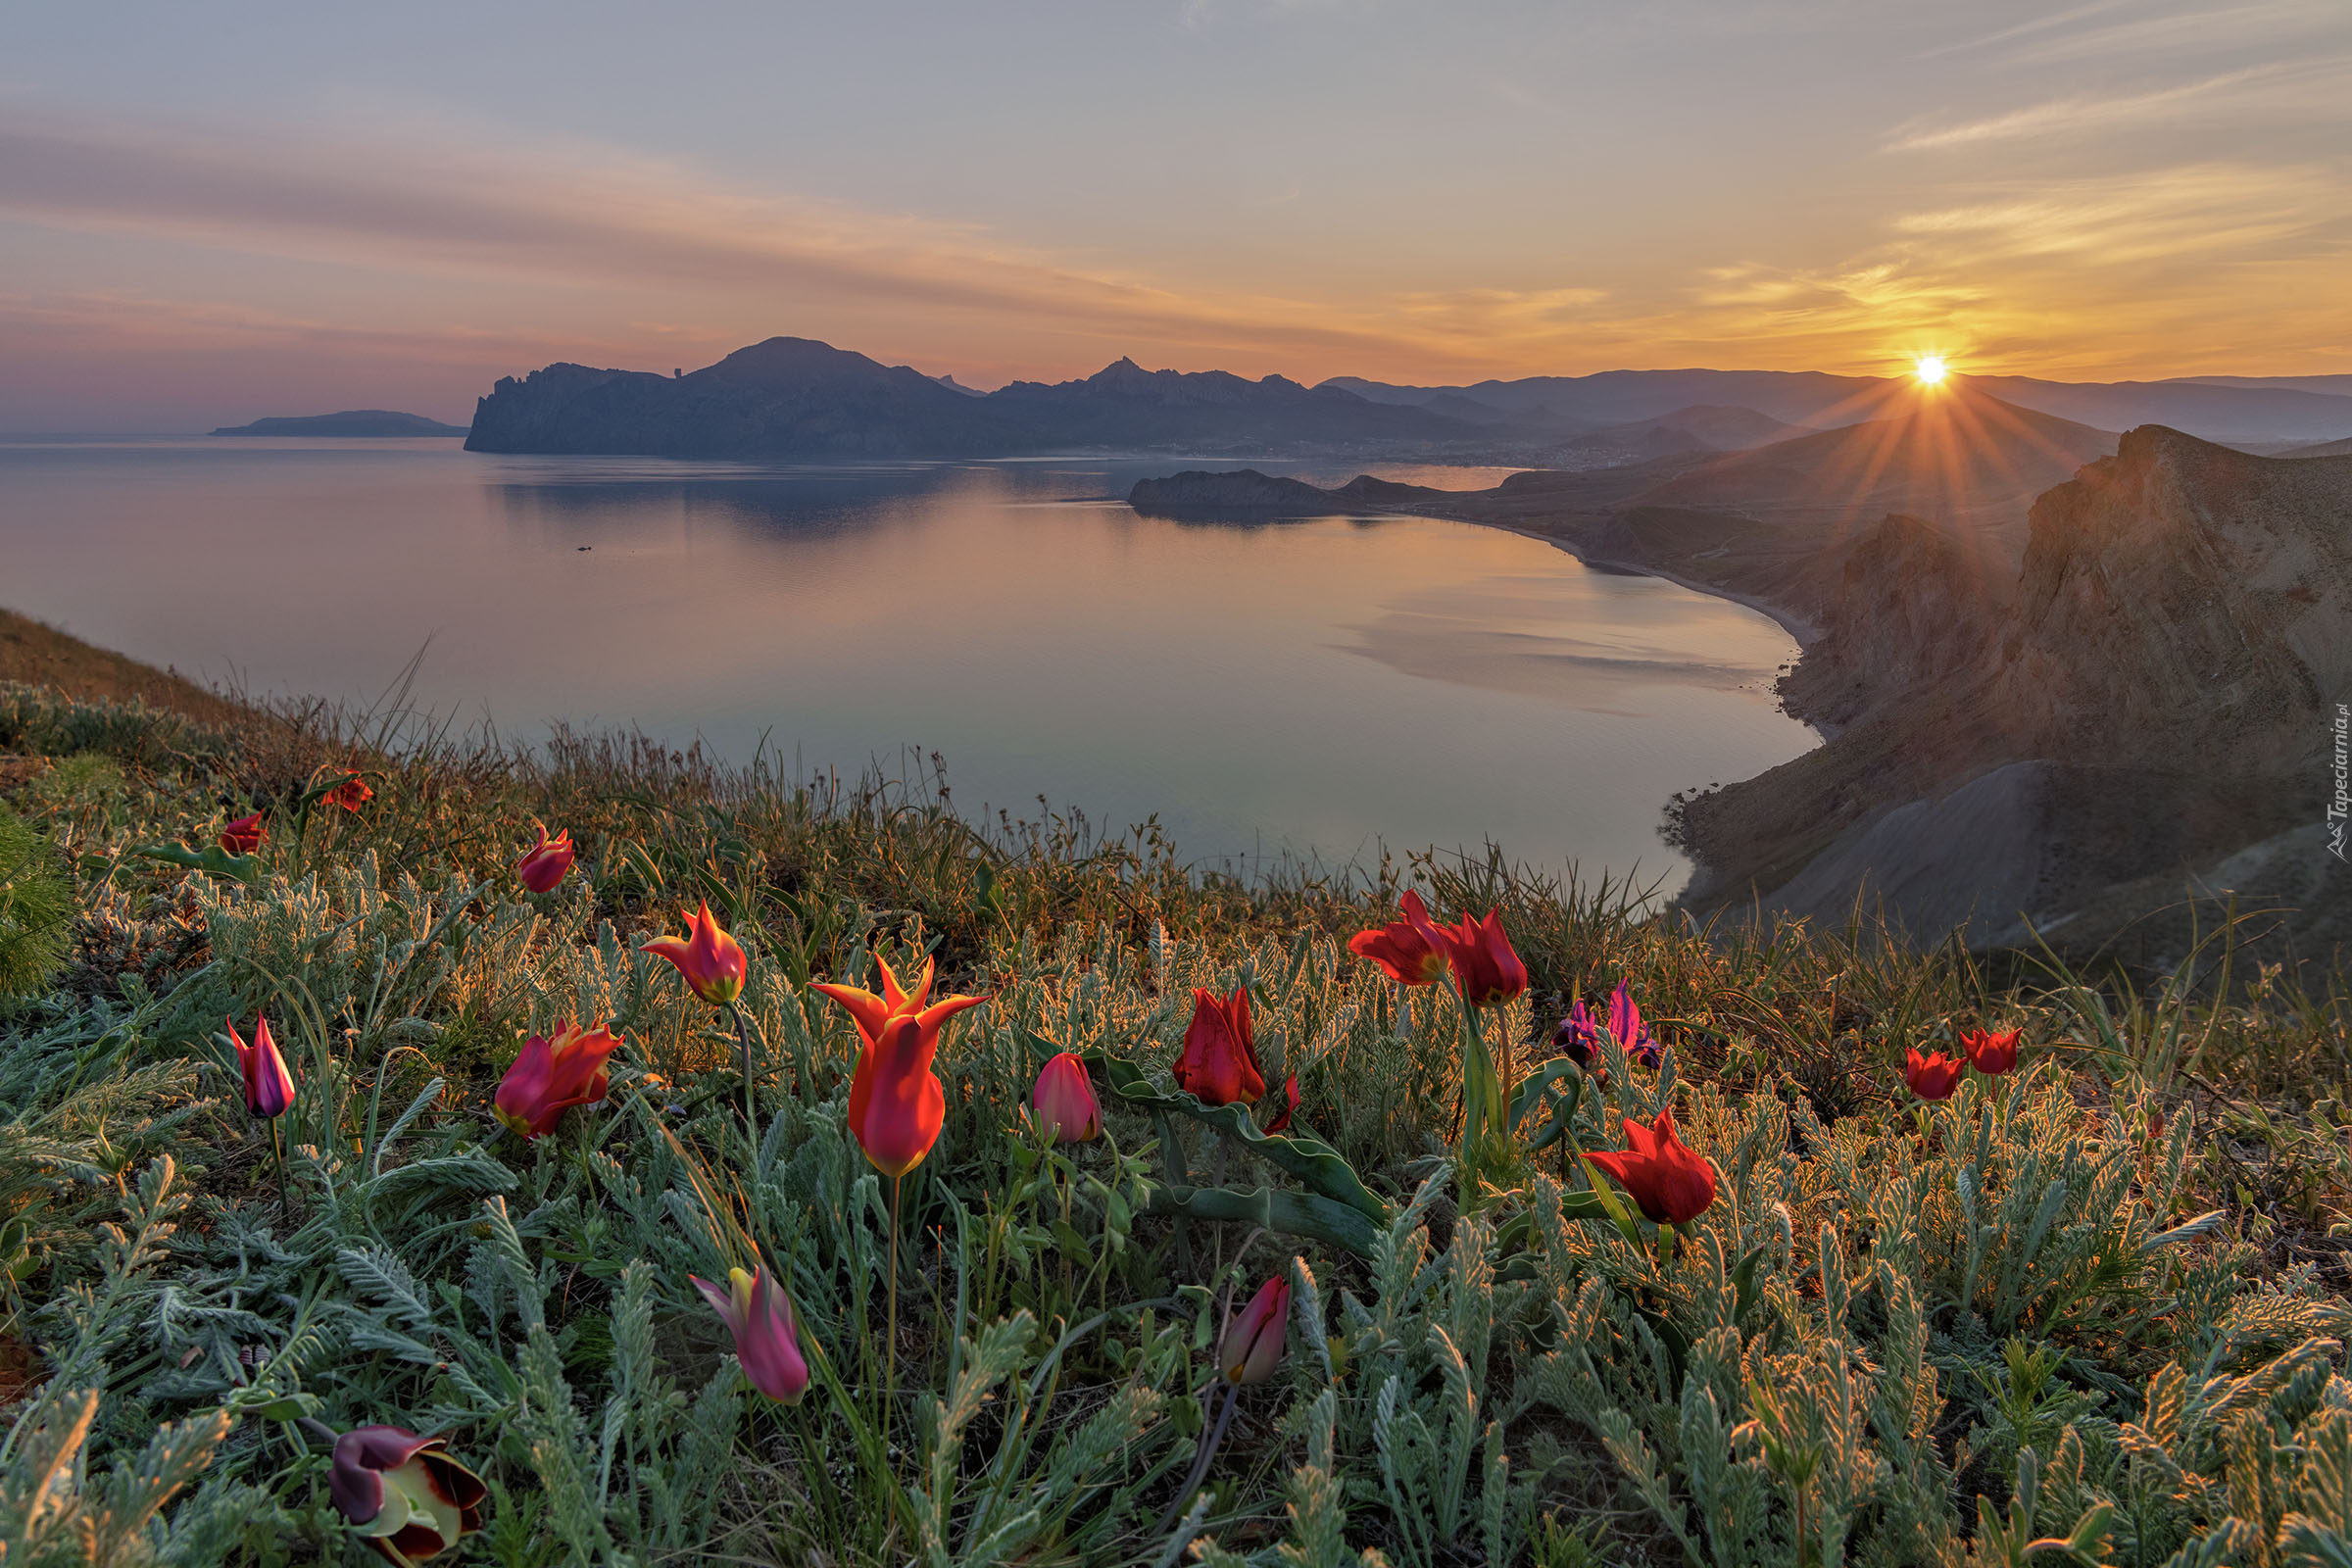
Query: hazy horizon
280	209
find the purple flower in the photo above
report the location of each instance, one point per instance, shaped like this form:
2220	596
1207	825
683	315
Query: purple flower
1624	1023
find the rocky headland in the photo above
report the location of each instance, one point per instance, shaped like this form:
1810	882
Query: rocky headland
2075	687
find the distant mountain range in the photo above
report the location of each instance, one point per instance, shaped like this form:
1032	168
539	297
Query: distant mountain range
349	423
792	397
2300	409
795	397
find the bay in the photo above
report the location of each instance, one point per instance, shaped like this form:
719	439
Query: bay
1320	689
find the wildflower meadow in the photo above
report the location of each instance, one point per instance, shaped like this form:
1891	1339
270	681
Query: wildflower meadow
414	1149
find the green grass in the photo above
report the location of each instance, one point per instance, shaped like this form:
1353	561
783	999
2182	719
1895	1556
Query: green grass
2100	1301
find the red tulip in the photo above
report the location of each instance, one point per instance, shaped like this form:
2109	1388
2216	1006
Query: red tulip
1989	1053
1933	1076
1290	1096
544	863
549	1079
1252	1344
1404	948
897	1105
1218	1064
269	1087
352	794
767	1341
1064	1100
404	1493
711	959
244	835
1483	961
1668	1182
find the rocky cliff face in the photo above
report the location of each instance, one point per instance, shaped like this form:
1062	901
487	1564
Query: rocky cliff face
2097	748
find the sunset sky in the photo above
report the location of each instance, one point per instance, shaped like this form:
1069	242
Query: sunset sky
211	213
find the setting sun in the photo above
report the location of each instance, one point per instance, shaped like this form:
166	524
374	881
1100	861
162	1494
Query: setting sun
1929	371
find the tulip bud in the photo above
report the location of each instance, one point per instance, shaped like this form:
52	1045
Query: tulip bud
550	1077
544	863
404	1493
711	959
1252	1344
268	1086
1218	1064
1933	1076
1989	1053
244	835
1064	1100
1624	1023
767	1341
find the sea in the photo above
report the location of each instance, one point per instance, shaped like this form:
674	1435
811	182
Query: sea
1306	692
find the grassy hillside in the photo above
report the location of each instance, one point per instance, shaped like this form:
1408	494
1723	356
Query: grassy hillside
2090	1309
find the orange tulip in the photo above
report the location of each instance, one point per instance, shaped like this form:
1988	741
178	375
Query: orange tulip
1989	1053
1667	1181
711	959
1933	1076
244	835
549	1079
1218	1064
1484	963
1064	1100
544	863
896	1104
352	794
1404	948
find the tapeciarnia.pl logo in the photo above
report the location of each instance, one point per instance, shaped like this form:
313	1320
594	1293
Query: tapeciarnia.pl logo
2343	802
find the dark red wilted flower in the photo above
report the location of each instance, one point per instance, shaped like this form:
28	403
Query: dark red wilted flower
244	835
1219	1062
1989	1053
1290	1105
1667	1181
269	1087
1933	1076
352	794
404	1493
544	863
1484	964
1252	1347
1404	947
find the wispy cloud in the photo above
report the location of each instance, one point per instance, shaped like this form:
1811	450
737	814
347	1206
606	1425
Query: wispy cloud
2194	210
2185	35
2299	91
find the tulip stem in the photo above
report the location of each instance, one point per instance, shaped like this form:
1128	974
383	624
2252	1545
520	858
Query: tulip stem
277	1152
1208	1450
743	1038
889	1333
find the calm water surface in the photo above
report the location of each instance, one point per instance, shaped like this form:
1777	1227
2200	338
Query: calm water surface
1324	687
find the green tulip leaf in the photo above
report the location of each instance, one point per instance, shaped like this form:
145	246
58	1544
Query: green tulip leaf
1320	1219
212	859
1311	1161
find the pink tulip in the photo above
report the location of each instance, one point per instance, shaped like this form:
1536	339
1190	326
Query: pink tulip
1064	1100
269	1087
544	863
1252	1344
549	1078
767	1341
